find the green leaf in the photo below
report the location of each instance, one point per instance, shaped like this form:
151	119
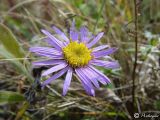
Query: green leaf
154	42
10	42
10	97
22	110
157	104
110	86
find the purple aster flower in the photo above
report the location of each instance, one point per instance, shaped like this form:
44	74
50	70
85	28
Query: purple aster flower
75	55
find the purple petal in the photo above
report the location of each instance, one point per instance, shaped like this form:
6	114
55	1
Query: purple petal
48	62
59	32
54	69
73	32
102	76
100	48
90	91
84	34
106	64
54	41
95	40
55	76
58	57
103	53
90	76
90	38
83	78
86	84
45	50
50	55
67	81
51	43
99	78
73	35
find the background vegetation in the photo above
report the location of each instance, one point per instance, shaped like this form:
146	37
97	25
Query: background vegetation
20	24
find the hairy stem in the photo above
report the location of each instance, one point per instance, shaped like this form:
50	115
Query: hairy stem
136	53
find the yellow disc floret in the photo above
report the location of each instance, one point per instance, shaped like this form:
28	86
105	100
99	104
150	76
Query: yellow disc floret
77	54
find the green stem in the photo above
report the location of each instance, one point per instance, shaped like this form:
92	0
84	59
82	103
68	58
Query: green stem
99	14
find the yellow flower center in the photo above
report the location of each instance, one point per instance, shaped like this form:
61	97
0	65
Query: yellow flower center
77	54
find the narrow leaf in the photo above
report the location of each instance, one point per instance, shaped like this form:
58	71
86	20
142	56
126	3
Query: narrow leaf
10	42
10	97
